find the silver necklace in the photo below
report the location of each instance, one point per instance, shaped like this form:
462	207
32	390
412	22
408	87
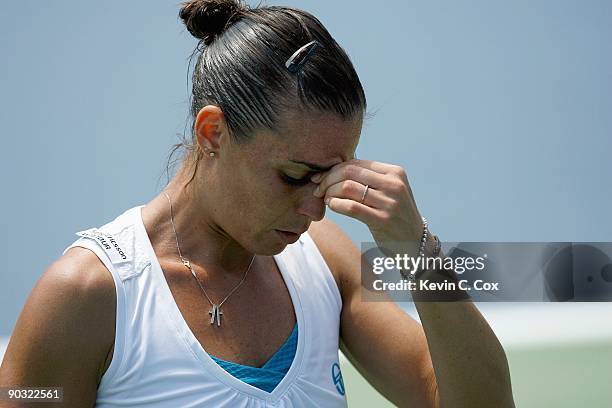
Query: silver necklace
215	311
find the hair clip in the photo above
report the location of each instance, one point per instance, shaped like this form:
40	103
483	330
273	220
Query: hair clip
295	62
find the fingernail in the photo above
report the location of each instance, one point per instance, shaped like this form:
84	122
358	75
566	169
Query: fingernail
327	200
316	191
316	178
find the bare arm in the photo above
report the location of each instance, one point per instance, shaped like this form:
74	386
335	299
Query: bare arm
65	331
453	360
470	363
385	344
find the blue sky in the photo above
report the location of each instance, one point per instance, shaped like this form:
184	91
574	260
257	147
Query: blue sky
498	111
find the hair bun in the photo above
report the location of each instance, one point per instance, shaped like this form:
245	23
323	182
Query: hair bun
205	19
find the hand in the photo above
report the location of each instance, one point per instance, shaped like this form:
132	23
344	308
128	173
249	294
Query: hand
388	208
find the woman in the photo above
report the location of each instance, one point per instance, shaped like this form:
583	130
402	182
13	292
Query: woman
205	297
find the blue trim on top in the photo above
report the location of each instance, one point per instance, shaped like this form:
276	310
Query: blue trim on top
268	376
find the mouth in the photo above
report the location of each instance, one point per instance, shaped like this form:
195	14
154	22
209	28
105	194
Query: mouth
288	236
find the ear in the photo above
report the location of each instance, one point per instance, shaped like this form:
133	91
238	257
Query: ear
209	127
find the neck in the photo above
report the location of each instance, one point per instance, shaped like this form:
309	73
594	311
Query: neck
202	241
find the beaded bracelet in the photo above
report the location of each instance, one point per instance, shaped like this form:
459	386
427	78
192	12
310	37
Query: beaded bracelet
435	252
423	238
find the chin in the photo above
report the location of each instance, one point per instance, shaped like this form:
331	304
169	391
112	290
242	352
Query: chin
264	245
270	244
270	248
271	251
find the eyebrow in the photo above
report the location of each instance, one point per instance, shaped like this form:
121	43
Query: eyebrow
313	166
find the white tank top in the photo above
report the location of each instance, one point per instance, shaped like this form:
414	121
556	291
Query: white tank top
157	360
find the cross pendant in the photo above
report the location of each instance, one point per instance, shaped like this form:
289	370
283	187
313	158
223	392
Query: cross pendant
215	314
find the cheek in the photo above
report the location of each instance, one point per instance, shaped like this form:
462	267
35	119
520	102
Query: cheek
251	197
276	201
255	198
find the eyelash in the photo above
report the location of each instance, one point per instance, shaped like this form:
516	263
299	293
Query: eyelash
296	182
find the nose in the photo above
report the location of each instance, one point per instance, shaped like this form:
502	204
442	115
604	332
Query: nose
311	206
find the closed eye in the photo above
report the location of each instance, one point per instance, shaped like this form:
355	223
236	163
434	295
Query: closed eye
296	182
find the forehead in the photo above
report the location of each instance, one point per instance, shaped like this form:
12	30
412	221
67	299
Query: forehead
320	138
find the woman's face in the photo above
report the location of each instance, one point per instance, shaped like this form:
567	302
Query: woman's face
263	187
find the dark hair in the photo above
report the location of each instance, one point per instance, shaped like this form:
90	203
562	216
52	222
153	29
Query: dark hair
241	68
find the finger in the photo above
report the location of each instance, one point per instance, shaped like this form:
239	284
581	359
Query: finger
382	168
359	174
353	209
378	167
355	191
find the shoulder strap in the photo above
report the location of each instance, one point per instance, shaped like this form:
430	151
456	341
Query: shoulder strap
108	243
117	245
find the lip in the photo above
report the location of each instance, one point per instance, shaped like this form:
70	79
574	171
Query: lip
288	236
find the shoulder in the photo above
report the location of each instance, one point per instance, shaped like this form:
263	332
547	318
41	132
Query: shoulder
78	288
70	314
81	276
83	290
338	250
82	268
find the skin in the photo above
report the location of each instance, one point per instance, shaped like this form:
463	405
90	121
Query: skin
453	360
242	223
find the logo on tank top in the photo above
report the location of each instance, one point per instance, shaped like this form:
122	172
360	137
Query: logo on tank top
337	378
108	243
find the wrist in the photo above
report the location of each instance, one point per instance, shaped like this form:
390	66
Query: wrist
432	247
